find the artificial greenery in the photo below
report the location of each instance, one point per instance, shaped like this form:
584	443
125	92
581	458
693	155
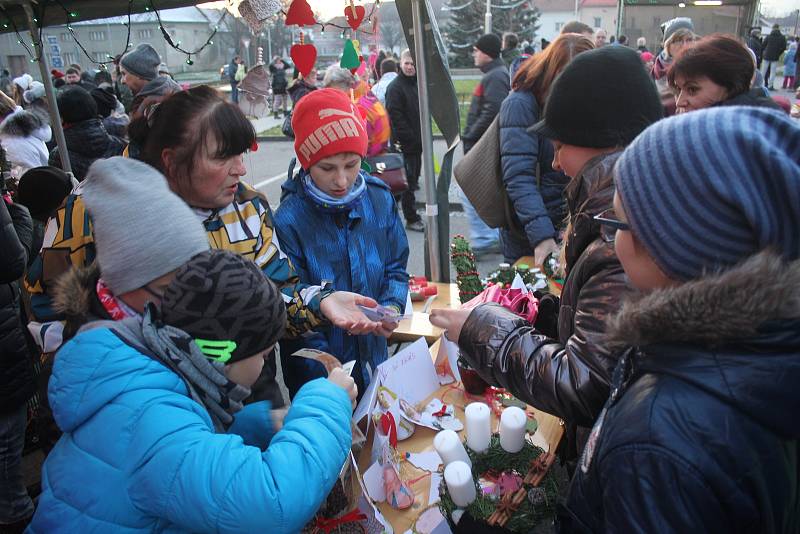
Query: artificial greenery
496	460
467	278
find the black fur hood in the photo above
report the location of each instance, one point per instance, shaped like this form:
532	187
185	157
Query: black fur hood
729	307
75	297
22	124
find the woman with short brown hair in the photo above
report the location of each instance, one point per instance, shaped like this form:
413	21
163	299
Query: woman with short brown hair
717	70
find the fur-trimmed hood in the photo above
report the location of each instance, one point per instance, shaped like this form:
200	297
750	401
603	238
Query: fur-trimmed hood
734	335
733	306
23	123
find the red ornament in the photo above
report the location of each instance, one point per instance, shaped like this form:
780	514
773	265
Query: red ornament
304	56
300	14
354	20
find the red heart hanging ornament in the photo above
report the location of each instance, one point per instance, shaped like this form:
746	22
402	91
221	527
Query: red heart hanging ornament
304	56
354	15
300	14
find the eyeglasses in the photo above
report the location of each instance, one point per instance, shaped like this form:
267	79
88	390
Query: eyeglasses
609	224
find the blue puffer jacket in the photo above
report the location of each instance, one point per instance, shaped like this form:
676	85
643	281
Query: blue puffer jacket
541	210
364	250
138	455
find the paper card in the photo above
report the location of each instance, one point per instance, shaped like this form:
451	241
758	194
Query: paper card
410	373
446	421
436	480
447	362
367	404
427	461
431	521
373	480
348	367
517	283
409	311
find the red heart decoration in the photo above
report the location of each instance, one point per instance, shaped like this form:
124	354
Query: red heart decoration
304	56
354	21
300	14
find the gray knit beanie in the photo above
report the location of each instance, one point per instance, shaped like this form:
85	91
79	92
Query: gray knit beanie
142	230
142	61
707	189
679	23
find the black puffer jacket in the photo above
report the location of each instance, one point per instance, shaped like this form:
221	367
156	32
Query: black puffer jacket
701	433
568	376
16	371
87	141
402	104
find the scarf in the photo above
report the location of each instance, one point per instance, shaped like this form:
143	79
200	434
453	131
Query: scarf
205	379
330	204
116	309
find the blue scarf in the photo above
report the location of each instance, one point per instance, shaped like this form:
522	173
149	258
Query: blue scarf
330	204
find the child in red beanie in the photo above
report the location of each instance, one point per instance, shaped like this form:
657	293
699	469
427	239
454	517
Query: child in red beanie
357	241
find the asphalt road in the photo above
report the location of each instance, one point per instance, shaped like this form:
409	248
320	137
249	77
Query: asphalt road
267	170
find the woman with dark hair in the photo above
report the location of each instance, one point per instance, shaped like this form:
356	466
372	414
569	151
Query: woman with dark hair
197	139
717	71
535	189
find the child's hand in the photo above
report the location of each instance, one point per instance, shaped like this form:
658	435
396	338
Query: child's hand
341	378
277	418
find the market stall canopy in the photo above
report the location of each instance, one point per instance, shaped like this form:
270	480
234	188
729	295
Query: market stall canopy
58	12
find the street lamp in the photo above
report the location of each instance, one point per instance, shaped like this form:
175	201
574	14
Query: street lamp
488	19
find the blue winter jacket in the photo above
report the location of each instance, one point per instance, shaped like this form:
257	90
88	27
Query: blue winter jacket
540	210
139	455
364	250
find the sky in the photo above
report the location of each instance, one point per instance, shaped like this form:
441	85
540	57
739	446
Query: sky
331	8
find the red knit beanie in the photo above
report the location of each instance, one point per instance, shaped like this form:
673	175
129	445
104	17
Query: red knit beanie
326	123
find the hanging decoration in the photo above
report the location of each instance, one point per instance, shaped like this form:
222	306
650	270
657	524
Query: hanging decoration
300	14
303	56
349	56
249	15
354	15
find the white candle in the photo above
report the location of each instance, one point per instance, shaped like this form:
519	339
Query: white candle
512	429
458	477
479	429
450	448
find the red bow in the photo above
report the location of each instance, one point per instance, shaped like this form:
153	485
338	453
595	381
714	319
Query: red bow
389	427
441	413
328	525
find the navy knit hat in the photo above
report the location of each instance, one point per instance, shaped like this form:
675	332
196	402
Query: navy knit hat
226	304
489	44
705	190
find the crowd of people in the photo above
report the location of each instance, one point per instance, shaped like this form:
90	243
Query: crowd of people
146	296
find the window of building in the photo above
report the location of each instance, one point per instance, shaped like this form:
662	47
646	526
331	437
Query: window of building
69	57
559	25
598	22
656	22
145	34
64	37
97	36
100	56
633	22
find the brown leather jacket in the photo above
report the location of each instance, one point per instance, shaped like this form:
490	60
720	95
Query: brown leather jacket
568	377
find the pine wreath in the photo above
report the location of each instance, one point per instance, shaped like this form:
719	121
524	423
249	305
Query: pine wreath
539	505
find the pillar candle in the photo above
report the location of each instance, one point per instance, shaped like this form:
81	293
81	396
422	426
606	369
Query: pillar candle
460	484
450	448
479	430
512	429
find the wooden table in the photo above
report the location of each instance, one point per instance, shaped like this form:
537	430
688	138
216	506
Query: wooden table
419	325
548	435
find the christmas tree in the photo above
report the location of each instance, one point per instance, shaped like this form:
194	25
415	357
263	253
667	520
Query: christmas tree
467	278
466	24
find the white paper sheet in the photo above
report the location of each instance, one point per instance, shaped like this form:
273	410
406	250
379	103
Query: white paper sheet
410	374
519	284
373	480
436	479
427	461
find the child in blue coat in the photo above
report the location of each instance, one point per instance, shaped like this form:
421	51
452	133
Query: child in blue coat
156	438
339	224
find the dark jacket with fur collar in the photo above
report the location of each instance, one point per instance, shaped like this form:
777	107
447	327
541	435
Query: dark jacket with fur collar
75	297
568	374
701	431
